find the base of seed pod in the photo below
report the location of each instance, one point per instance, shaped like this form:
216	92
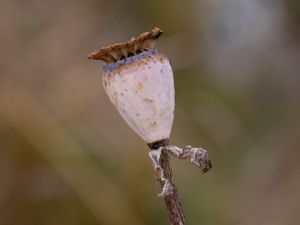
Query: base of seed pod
158	144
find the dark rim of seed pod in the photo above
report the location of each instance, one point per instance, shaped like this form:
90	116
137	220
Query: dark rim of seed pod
113	53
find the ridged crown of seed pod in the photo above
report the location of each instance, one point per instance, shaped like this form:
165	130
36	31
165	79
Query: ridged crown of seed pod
138	80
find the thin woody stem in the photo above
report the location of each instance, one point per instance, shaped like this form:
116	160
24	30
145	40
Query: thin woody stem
169	191
160	160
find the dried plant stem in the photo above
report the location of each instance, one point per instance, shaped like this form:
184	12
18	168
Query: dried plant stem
169	190
160	160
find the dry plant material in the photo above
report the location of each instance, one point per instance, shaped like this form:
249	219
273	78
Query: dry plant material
138	79
123	50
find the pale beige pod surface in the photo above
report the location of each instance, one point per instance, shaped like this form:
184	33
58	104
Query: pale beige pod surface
138	80
141	88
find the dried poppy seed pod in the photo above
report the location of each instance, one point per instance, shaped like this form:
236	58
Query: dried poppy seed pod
138	80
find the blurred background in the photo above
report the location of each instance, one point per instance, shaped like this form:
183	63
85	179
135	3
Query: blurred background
67	157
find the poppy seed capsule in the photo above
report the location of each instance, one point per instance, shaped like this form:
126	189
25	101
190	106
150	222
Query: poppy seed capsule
138	80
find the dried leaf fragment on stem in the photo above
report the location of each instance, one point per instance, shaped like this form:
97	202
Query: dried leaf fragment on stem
197	156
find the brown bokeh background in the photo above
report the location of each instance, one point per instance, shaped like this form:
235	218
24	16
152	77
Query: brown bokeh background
66	156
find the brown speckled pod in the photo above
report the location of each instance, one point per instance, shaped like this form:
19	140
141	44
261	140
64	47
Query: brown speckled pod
138	80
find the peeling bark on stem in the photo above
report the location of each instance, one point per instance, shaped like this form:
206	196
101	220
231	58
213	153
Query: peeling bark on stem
160	161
